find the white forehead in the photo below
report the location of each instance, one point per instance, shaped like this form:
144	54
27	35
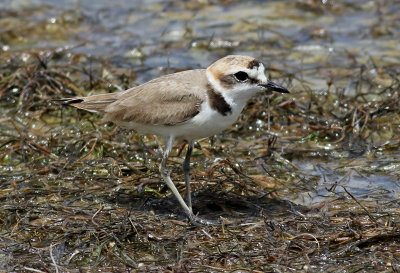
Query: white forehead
257	72
222	71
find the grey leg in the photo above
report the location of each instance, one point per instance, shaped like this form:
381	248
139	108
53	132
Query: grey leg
165	173
186	171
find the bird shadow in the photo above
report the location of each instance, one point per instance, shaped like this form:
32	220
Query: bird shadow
212	205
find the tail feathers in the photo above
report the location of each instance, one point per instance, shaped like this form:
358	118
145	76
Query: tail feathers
96	103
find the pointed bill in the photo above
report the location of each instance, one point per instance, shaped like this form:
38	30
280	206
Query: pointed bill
271	86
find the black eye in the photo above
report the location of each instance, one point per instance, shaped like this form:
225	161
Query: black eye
241	76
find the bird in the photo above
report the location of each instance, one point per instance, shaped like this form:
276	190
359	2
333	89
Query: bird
187	105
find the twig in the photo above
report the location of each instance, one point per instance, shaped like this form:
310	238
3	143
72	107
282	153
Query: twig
95	214
310	235
52	258
91	149
358	202
33	269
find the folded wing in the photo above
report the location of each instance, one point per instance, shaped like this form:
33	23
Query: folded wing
167	100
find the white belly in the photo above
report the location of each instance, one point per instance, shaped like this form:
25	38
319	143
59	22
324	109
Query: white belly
207	122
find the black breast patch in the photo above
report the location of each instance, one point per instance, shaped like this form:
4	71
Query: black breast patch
217	101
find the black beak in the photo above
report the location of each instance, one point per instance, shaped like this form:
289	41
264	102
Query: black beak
271	86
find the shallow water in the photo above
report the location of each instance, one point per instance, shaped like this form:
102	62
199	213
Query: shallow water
334	182
291	35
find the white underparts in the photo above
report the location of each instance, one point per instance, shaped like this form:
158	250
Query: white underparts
208	121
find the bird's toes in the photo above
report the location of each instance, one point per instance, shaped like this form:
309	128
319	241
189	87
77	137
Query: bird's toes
198	221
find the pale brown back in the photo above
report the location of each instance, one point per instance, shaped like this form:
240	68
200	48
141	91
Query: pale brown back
166	100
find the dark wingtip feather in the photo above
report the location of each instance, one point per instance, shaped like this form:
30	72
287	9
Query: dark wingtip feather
68	101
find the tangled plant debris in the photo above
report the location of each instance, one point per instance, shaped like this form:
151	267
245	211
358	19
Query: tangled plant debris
315	189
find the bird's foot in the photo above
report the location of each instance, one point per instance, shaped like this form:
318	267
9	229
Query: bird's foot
197	221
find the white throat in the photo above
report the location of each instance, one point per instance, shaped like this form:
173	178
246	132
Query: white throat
236	97
227	94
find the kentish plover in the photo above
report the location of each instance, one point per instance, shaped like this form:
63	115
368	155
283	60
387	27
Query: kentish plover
187	105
